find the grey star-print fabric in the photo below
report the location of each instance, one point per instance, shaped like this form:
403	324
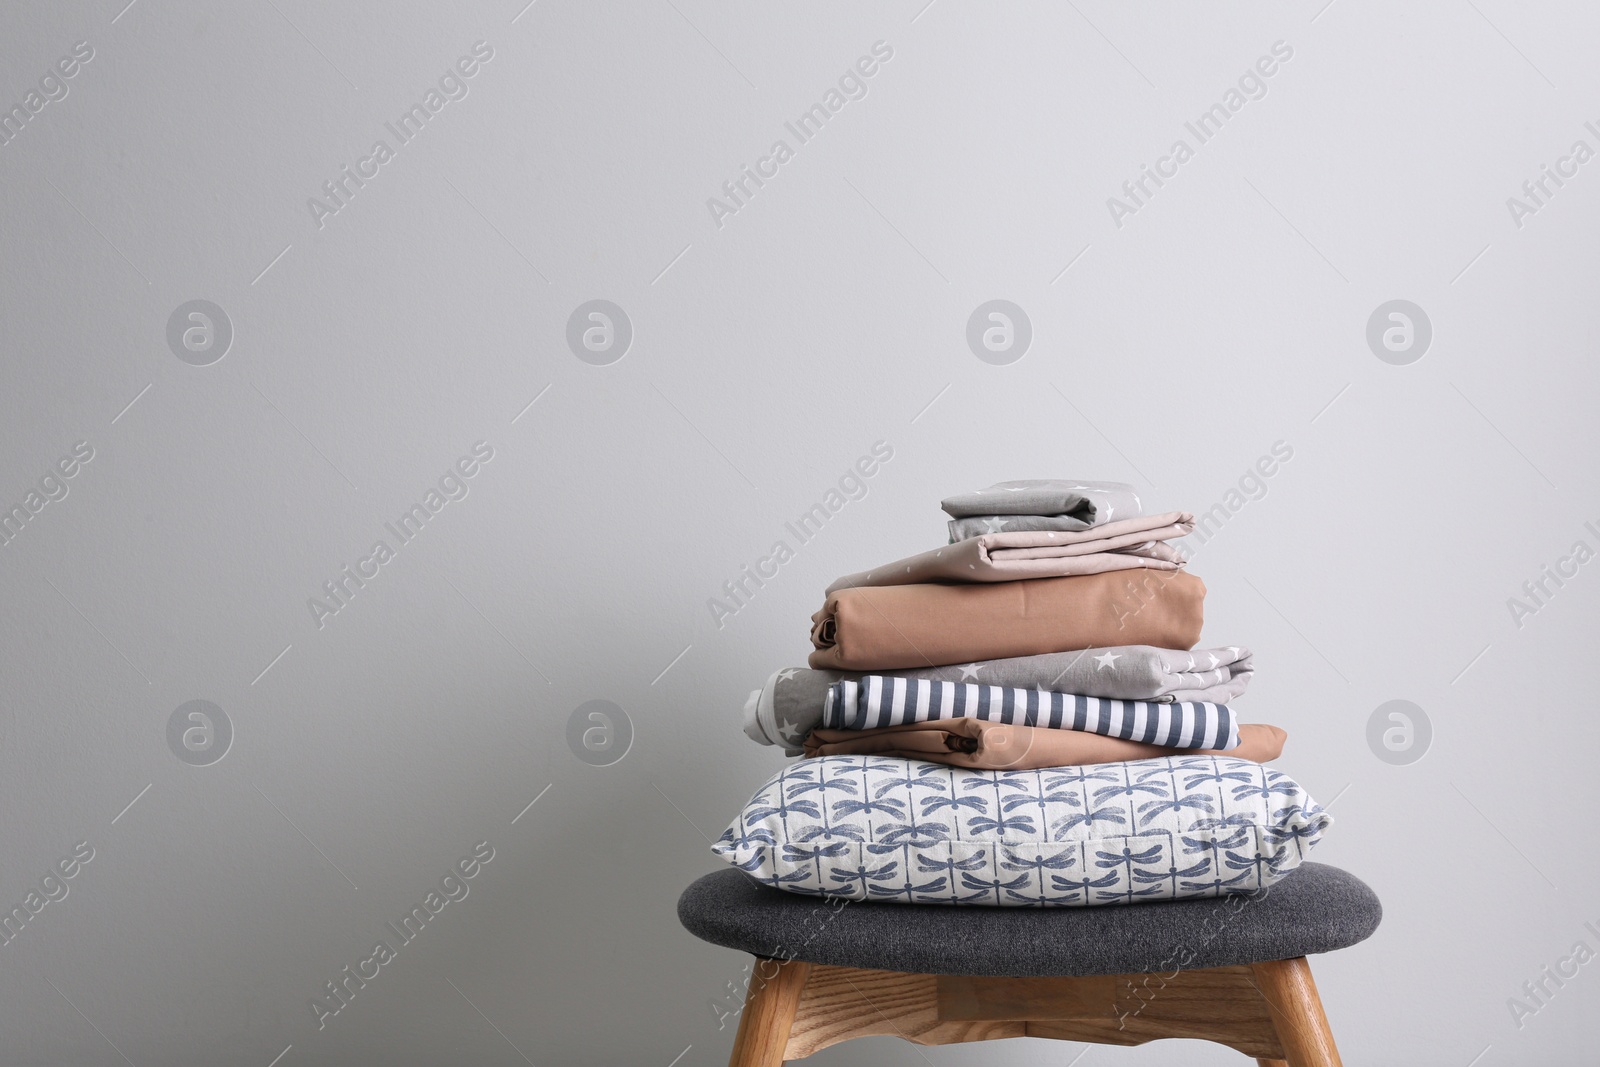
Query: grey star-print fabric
790	705
1039	504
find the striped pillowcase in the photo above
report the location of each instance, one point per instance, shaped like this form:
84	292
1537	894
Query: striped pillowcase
876	700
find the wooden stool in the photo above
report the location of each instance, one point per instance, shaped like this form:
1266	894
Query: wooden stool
1228	969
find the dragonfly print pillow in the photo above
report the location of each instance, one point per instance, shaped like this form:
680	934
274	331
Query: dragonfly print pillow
874	828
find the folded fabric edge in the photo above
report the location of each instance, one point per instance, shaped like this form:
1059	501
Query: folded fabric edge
752	721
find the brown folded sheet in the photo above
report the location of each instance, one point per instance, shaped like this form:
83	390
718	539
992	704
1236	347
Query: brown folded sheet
987	746
885	627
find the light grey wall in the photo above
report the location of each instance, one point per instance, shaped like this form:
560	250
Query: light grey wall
376	346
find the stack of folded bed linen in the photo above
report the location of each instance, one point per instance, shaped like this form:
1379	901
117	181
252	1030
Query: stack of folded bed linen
1020	717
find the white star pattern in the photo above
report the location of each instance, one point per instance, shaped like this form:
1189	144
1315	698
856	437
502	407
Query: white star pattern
970	671
994	525
787	673
1214	661
1106	660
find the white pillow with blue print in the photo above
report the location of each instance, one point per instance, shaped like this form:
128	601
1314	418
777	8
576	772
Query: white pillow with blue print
876	828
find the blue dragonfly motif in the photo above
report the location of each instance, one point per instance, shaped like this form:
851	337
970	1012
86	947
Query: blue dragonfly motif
1271	784
1036	866
1061	777
905	887
990	890
1110	813
857	879
1215	842
847	831
998	779
1152	809
783	809
909	777
1082	886
748	839
753	865
1280	862
1022	781
1217	884
983	824
800	854
1124	860
977	861
1066	777
1128	789
913	833
933	804
821	785
917	892
1206	770
927	777
883	806
1295	823
1253	862
1171	875
1042	800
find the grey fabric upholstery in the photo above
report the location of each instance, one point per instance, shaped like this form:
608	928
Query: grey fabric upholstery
1317	908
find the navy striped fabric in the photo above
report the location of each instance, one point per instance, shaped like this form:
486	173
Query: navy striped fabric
876	700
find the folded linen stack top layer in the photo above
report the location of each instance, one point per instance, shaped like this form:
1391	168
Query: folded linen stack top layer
1053	633
1038	504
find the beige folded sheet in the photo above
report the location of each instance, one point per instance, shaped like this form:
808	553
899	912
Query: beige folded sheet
1008	557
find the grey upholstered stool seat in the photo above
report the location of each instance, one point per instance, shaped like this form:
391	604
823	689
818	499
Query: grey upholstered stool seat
1317	908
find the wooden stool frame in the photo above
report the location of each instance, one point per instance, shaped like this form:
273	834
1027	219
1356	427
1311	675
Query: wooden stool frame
1267	1010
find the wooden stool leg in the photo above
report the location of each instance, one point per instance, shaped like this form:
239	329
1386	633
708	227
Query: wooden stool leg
1271	1063
769	1006
1296	1011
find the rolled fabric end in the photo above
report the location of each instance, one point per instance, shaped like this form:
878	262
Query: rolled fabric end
761	718
752	719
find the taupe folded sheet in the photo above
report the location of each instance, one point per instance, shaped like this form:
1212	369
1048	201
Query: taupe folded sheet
979	745
1007	557
884	627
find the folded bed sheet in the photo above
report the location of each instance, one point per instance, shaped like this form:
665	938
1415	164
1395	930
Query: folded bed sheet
873	628
1008	557
978	745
